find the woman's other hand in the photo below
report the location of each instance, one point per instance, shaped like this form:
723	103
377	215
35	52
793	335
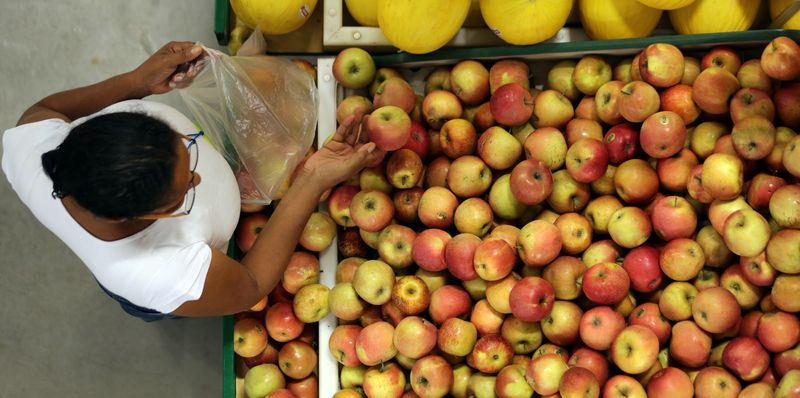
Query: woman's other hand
346	153
170	67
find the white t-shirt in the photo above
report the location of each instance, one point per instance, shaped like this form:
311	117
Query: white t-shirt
160	267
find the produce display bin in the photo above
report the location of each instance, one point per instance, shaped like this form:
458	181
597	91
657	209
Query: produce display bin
749	43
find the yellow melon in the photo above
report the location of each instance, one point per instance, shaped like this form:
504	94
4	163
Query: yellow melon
421	26
523	21
364	11
712	16
617	19
274	16
666	4
776	7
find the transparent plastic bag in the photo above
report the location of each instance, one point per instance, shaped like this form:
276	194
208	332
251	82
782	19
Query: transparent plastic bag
261	114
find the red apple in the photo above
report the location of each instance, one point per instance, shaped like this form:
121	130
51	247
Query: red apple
431	376
458	138
389	127
649	315
539	243
753	137
397	92
638	100
248	229
663	134
449	301
490	354
608	101
635	181
642	265
722	57
713	88
531	299
282	324
459	256
690	345
670	383
787	103
746	358
673	217
599	326
605	283
387	380
415	337
511	104
297	359
780	59
531	182
661	65
622	142
587	160
778	331
678	99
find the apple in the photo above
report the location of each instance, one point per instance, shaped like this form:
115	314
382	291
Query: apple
511	104
531	182
605	283
661	65
760	191
547	145
353	68
339	204
459	256
691	69
525	337
395	243
481	385
375	343
491	354
663	134
406	204
387	380
531	299
457	337
713	89
498	148
439	106
297	359
783	200
249	337
282	323
306	388
436	172
318	233
372	210
784	292
599	211
583	128
461	376
722	57
438	79
746	358
544	373
590	73
629	227
723	176
345	302
670	382
587	160
353	105
568	195
483	118
562	325
511	383
404	169
587	109
642	265
382	75
373	281
389	127
552	109
637	101
675	172
622	142
485	318
457	138
690	345
469	80
635	181
719	210
508	71
576	232
779	59
622	71
705	136
352	376
778	331
342	344
311	302
599	326
746	232
751	75
623	386
601	251
502	200
608	101
635	349
782	251
747	294
751	102
374	179
753	137
681	259
415	337
757	270
564	274
788	105
437	207
469	176
678	99
410	295
559	78
539	243
428	249
263	379
448	301
579	382
269	355
716	382
351	244
494	259
649	315
431	377
673	217
636	72
789	385
303	269
397	92
248	229
791	156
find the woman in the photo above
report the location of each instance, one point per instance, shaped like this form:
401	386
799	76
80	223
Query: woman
147	204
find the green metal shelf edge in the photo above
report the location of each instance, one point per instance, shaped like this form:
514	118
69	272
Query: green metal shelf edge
583	47
228	357
222	21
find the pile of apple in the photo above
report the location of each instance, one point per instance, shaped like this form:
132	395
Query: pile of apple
626	232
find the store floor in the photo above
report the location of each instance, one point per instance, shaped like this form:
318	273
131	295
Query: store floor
60	335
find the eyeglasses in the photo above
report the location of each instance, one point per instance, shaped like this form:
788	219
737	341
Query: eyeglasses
188	201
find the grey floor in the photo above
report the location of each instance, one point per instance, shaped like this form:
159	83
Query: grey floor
59	334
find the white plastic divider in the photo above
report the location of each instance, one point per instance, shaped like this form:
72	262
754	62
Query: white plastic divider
328	259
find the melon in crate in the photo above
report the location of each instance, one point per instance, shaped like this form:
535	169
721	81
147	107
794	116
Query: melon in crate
274	17
776	7
618	19
421	26
666	4
365	12
524	22
713	16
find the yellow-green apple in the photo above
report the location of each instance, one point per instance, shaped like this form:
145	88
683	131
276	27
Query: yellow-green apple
778	331
436	172
681	259
722	176
622	71
779	59
568	195
552	109
249	337
370	238
371	210
751	75
375	343
428	249
508	71
787	360
605	283
415	337
373	281
531	299
406	204
629	227
578	382
305	388
746	358
675	302
673	217
339	204
484	119
761	189
481	385
498	148
548	348
713	89
561	326
785	292
374	179
599	210
318	233
661	65
788	105
643	267
789	386
791	156
457	337
494	259
564	274
723	57
547	145
410	295
404	169
491	354
505	232
269	355
690	345
353	68
469	80
522	132
511	104
576	232
705	136
438	79
637	101
662	134
649	315
559	78
248	230
459	256
311	302
623	386
297	359
458	138
461	375
608	101
670	382
342	344
502	200
678	99
434	279
583	128
431	377
395	91
605	184
353	105
394	245
753	137
439	106
263	379
544	373
746	293
784	203
345	303
719	210
531	182
751	102
498	293
757	270
706	278
621	142
437	207
547	215
449	301
599	326
281	322
511	383
746	232
587	160
382	75
635	349
636	181
525	337
539	243
303	269
474	216
352	376
469	176
389	127
590	73
587	109
387	380
674	172
691	68
601	251
783	251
